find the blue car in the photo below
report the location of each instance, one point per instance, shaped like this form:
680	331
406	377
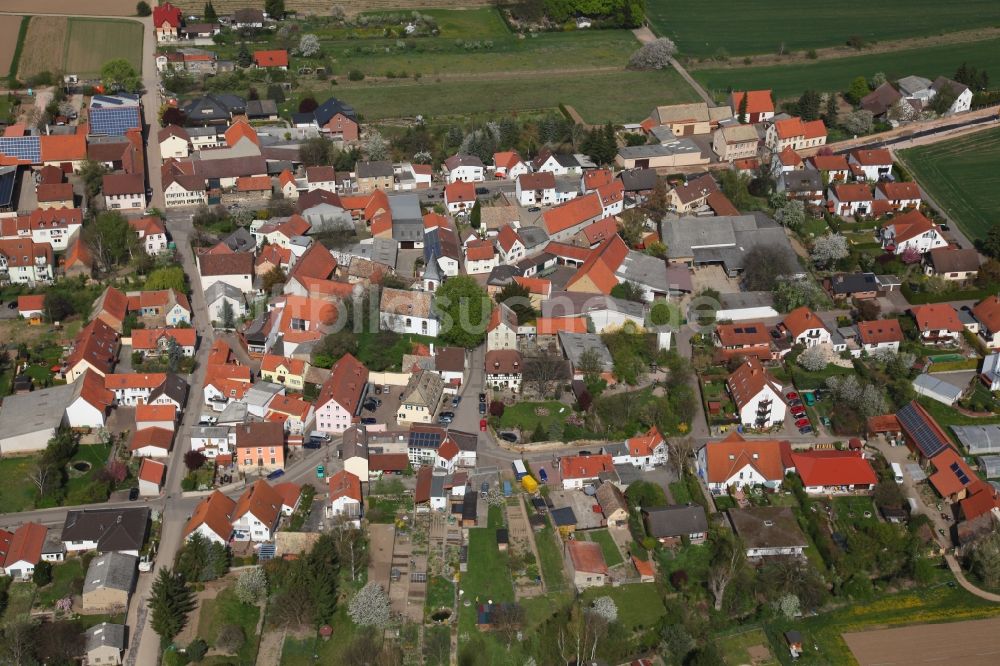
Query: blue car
276	474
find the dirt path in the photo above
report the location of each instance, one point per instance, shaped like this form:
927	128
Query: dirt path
837	52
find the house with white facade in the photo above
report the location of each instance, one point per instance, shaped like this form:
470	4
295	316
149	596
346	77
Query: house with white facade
212	441
738	463
871	165
257	512
911	231
508	165
408	312
501	333
212	519
480	257
879	335
464	169
216	298
504	368
987	313
758	396
124	191
345	499
510	247
806	328
536	189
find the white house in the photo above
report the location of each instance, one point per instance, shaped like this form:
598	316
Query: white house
233	268
184	190
736	462
90	402
23	550
340	397
459	197
504	368
806	328
990	373
849	199
508	165
502	330
580	470
961	92
758	396
212	441
899	195
133	388
257	513
26	262
647	450
987	313
911	231
152	234
345	498
464	169
216	298
559	165
879	335
872	165
408	312
480	257
536	189
510	247
938	323
212	519
123	191
175	142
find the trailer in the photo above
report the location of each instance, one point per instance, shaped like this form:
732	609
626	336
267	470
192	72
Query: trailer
897	472
520	470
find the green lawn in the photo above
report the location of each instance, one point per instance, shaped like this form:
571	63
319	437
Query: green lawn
19	601
67	580
701	29
636	93
961	177
469	23
77	485
440	594
639	605
93	42
550	557
836	74
17	493
299	652
680	493
734	647
227	609
612	555
806	380
523	416
488	576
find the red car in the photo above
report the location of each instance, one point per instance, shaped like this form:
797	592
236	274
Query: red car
792	395
802	423
482	425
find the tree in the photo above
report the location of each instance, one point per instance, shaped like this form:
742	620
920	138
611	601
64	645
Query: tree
476	216
742	113
828	249
632	227
230	638
727	559
201	560
173	116
865	398
196	650
497	408
809	104
517	297
92	175
857	90
59	642
859	122
790	293
115	472
171	600
370	606
507	620
765	265
590	363
464	309
251	586
274	277
111	240
679	451
539	434
544	371
175	354
676	643
275	8
941	103
309	46
910	255
830	114
142	8
645	494
209	14
42	475
653	55
168	277
374	146
43	574
194	459
656	203
352	548
792	214
317	151
628	291
243	57
119	75
991	244
228	315
813	358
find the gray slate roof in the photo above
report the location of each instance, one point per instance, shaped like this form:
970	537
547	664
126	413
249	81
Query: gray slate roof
112	529
575	344
115	571
675	521
105	634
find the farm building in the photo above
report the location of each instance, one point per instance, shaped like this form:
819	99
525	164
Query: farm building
978	439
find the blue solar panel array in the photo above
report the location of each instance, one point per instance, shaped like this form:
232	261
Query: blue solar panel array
960	473
24	148
114	120
929	443
425	439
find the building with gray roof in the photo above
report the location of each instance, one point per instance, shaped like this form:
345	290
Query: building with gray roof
723	240
574	345
937	389
109	582
104	643
29	420
979	439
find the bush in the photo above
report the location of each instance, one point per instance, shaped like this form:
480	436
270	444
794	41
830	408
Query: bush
355	75
679	579
230	639
142	9
654	55
43	574
196	650
497	408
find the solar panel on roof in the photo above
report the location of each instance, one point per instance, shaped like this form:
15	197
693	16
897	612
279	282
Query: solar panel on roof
920	431
114	120
24	148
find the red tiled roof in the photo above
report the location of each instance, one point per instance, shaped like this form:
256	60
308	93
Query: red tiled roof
878	157
987	311
148	338
596	178
729	456
146	413
275	58
743	334
788	157
937	317
26	544
507	237
253	183
748	380
460	192
585	467
346	383
64	147
879	331
448	449
270	363
388	462
573	212
909	225
567	251
982	498
802	319
553	325
166	14
30	302
600	267
758	101
600	230
96	343
92	390
345	484
645	568
587	556
898	191
316	262
537	286
506	160
124	380
479	250
949	466
152	471
544	180
829	162
261	501
159	438
833	468
721	205
852	192
241	129
215	512
57	192
644	445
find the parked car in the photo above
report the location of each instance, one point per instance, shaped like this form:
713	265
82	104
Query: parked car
798	413
792	395
535	209
508	437
482	408
454	401
320	472
12	305
482	190
482	425
795	403
207	420
805	430
368	420
484	489
276	474
802	423
448	415
133	494
482	397
445	420
378	390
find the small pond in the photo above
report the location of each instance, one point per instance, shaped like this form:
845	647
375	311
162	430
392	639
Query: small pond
82	466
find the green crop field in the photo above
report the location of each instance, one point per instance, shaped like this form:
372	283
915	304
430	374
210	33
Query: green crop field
93	42
836	74
703	28
598	96
961	176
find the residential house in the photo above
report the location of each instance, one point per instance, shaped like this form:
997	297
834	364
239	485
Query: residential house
508	165
834	167
911	231
647	450
501	333
805	185
459	197
575	345
151	442
612	198
938	323
333	118
830	472
212	519
464	169
734	142
750	339
95	348
321	178
672	153
759	105
557	164
878	335
123	191
480	257
109	583
768	531
758	396
345	499
580	470
133	388
687	119
408	312
152	234
871	165
292	411
180	189
692	194
736	462
166	22
106	530
962	94
510	247
794	133
233	268
371	176
504	368
613	504
175	142
162	307
22	550
260	447
340	397
157	341
55	226
151	477
104	644
212	441
536	189
273	59
257	512
567	220
786	160
216	299
850	199
860	286
248	18
587	563
806	328
290	372
900	196
23	261
881	100
54	195
987	313
156	416
420	398
90	403
955	265
670	525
